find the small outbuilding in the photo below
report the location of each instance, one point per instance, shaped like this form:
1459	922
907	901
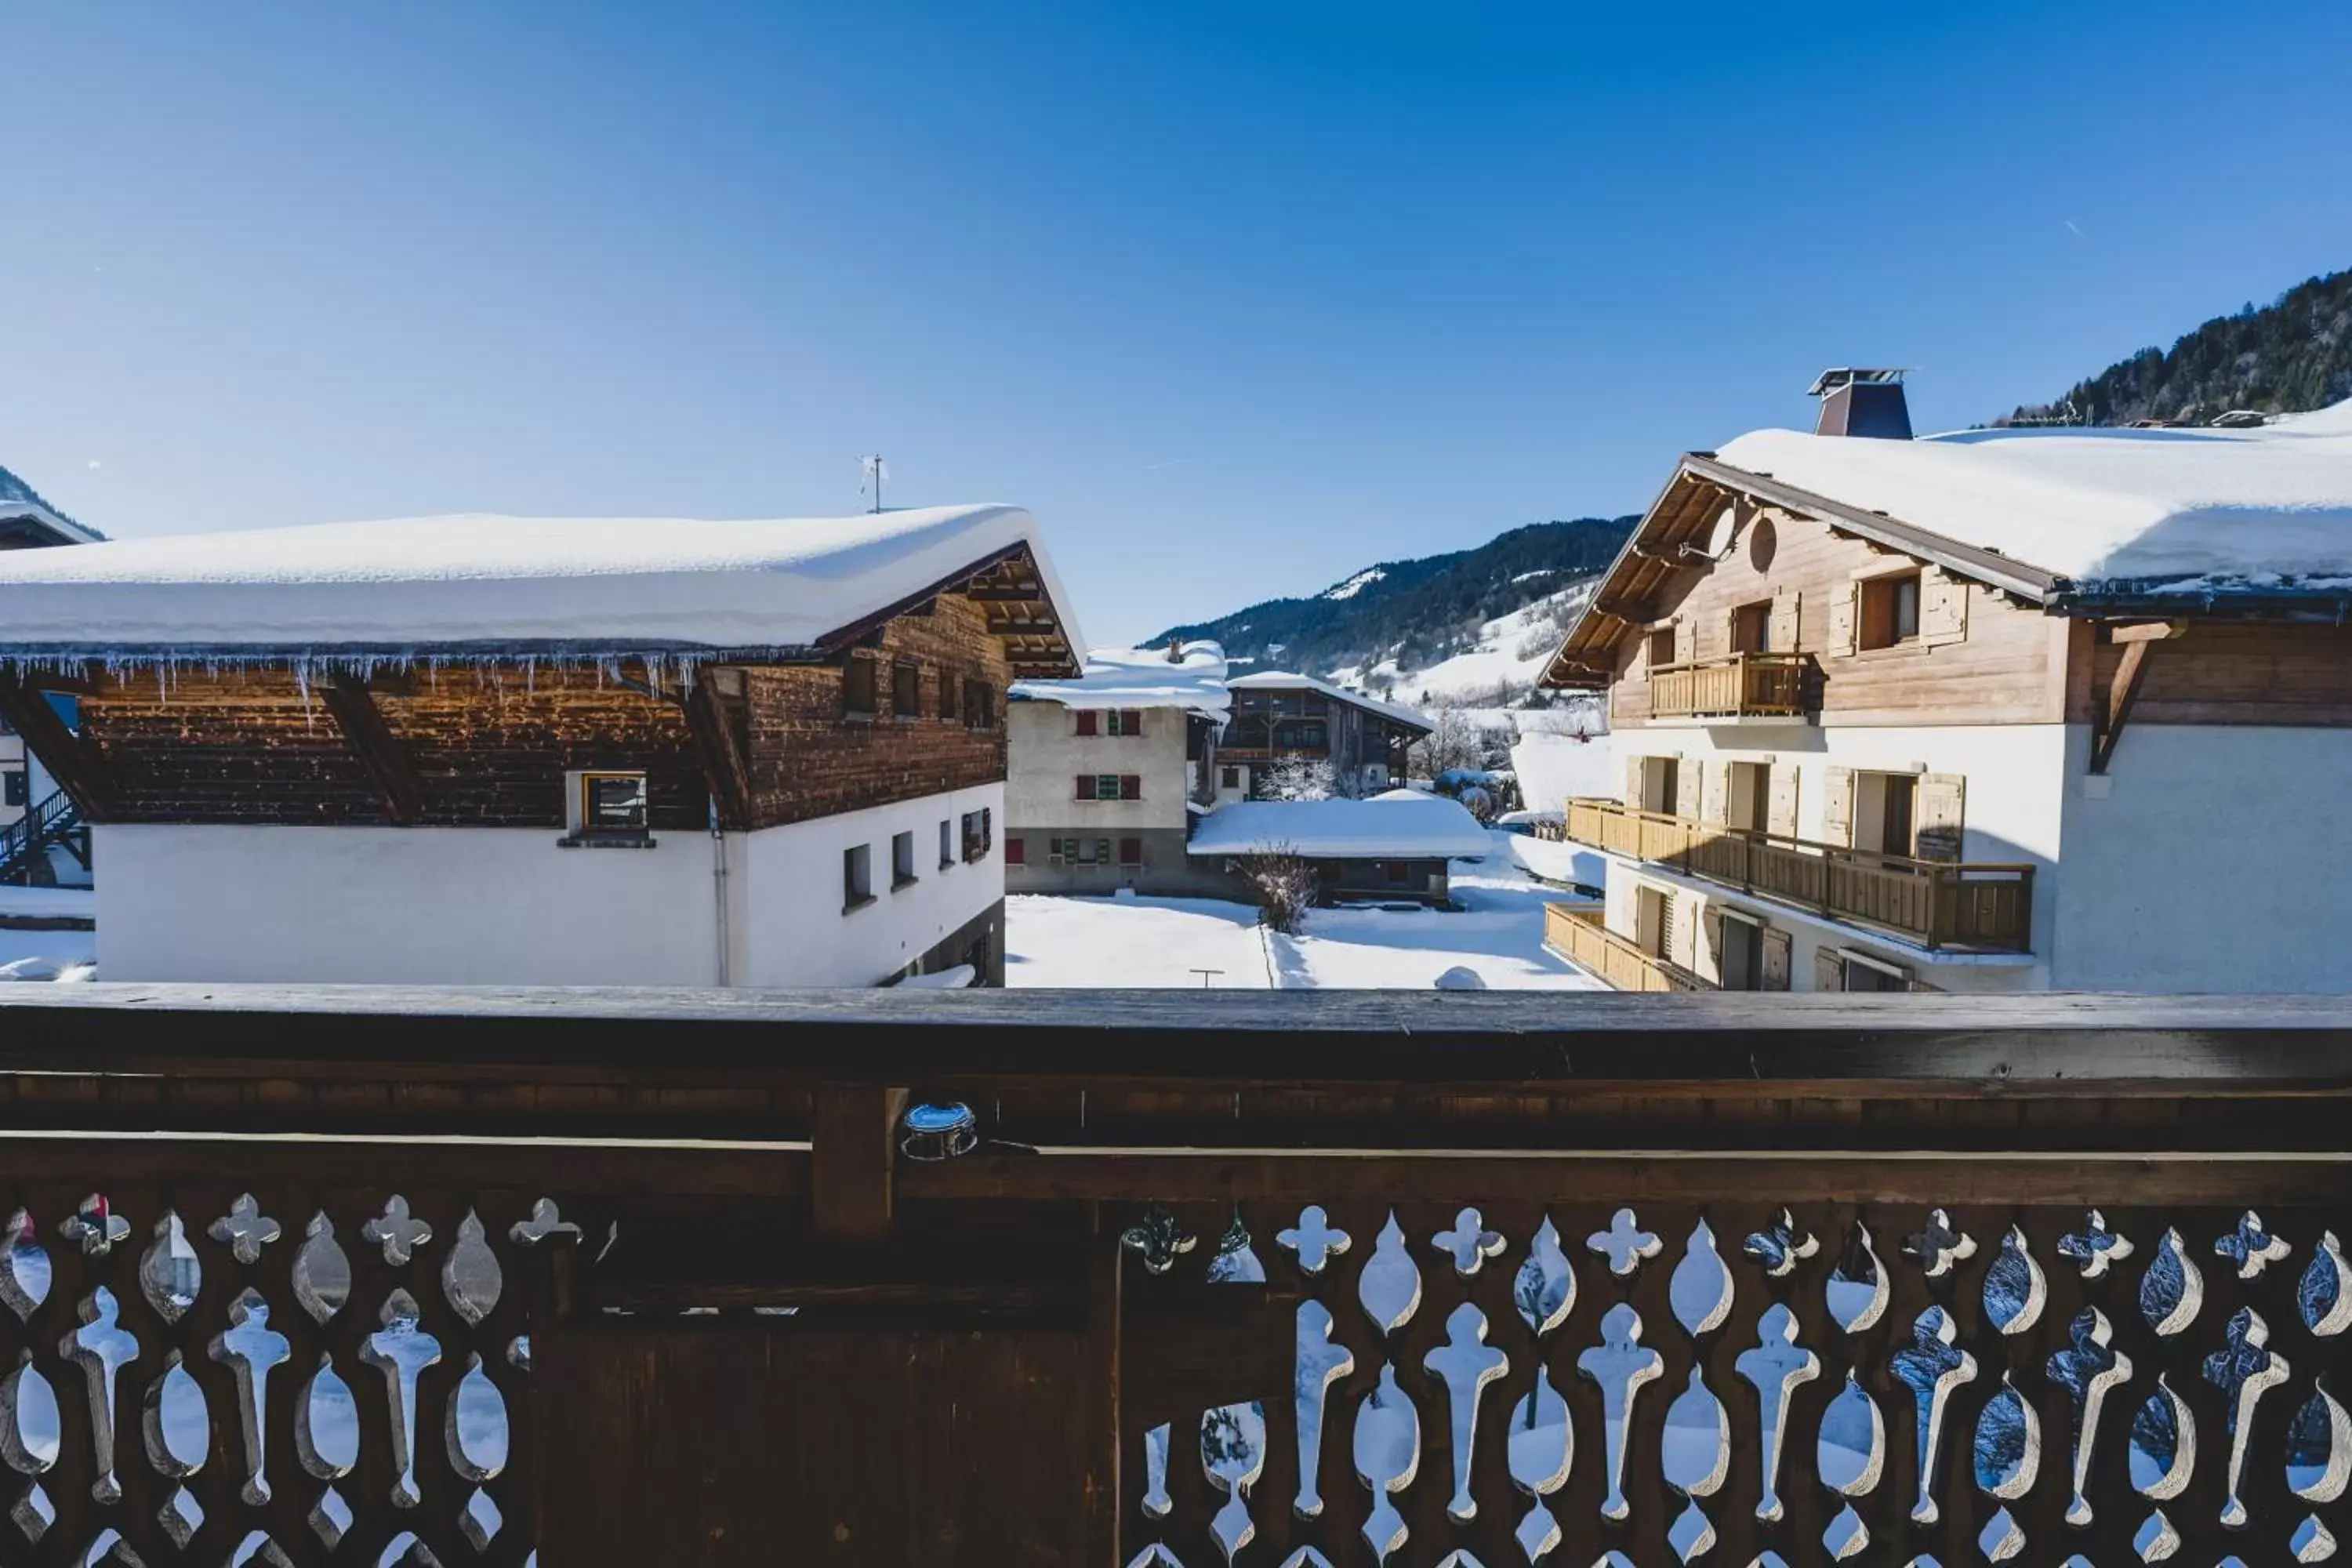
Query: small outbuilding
1393	846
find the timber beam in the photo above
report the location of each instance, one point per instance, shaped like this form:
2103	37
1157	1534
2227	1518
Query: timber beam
725	769
2113	709
378	751
69	758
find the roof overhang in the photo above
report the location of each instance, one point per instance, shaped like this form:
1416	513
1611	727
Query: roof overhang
1672	538
26	525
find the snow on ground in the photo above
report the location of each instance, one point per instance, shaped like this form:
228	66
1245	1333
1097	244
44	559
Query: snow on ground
2206	508
1157	942
60	949
1511	652
1353	585
49	903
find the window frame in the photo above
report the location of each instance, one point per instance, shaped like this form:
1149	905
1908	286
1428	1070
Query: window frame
1101	793
860	669
856	878
902	866
906	689
588	829
1879	617
947	843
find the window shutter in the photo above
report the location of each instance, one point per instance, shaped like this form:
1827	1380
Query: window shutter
1937	831
1772	961
1131	721
1718	784
1086	718
1131	851
1130	787
1712	961
1943	608
1829	971
1086	786
1017	852
1843	615
1785	620
1730	628
1782	807
1837	805
1634	769
1686	786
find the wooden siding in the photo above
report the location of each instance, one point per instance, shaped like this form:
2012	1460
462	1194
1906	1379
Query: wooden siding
2008	668
2218	674
490	746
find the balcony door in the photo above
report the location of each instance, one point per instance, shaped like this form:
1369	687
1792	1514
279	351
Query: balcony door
1748	796
1661	784
1885	812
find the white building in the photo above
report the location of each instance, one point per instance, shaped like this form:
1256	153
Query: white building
1108	772
495	750
1995	711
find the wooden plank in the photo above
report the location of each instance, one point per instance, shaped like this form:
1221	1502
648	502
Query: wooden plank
725	768
379	751
2122	694
854	1160
70	759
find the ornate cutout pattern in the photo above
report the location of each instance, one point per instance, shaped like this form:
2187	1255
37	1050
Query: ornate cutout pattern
1544	1290
2086	1370
1622	1366
1465	1363
1320	1364
1777	1367
2244	1369
1388	1456
1624	1244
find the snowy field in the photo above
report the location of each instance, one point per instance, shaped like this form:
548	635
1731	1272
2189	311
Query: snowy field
1158	942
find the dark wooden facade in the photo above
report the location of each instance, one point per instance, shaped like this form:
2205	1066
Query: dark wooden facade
980	1351
1304	721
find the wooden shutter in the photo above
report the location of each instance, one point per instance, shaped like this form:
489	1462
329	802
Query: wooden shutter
1634	771
1131	721
1828	970
1130	787
1711	924
1086	721
1843	605
1837	805
1772	959
1086	786
1017	852
1131	851
1786	620
1943	608
1782	819
1937	831
1718	785
1687	772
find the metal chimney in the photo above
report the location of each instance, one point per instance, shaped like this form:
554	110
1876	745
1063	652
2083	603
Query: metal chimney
1857	402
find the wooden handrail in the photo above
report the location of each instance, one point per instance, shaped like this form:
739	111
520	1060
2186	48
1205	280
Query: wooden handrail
1739	685
1986	905
1573	932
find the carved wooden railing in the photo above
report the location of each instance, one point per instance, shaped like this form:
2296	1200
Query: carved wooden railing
1371	1278
1739	685
1980	905
1576	933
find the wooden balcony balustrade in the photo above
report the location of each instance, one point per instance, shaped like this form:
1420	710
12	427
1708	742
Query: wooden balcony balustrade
405	1275
1982	906
1741	686
1575	933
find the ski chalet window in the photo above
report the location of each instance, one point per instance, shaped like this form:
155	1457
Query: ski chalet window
1890	610
613	807
947	844
1086	718
1110	786
858	688
979	705
902	860
857	876
907	689
1125	721
979	828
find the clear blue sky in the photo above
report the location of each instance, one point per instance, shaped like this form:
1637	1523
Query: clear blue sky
1237	298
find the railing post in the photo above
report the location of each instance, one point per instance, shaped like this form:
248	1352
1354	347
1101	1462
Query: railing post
853	1161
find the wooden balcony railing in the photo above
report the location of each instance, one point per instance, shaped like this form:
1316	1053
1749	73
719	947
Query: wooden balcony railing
1744	686
1575	933
1936	903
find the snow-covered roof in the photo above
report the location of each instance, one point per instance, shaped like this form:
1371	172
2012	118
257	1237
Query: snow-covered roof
33	522
583	585
1282	680
1553	768
1141	678
2195	509
1399	825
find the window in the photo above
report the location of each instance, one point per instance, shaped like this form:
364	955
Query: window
1748	796
1885	808
857	876
1868	974
1661	784
1017	852
978	828
612	805
1890	610
1086	719
947	844
1751	628
902	860
1083	851
907	689
1741	957
1131	851
948	709
1300	736
1662	648
858	688
1088	787
1126	721
1130	787
1395	872
1106	787
1653	921
979	705
1229	777
12	787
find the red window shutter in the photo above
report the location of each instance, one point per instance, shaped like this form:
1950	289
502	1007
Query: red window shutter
1086	786
1017	852
1085	722
1130	722
1131	851
1130	787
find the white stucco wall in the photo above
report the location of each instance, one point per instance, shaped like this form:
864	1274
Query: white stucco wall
507	906
1047	756
2216	859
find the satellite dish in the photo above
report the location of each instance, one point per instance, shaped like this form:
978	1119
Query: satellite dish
1718	540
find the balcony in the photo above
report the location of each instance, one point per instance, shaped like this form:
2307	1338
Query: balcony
1575	933
1939	904
1744	686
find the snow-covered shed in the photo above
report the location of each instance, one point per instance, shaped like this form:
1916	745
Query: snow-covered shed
1393	846
368	752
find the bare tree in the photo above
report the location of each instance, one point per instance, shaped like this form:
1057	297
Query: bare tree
1454	743
1283	884
1294	777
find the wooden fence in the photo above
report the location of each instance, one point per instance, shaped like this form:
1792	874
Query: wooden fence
383	1276
1739	686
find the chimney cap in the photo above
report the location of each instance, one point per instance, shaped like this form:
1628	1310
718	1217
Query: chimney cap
1830	380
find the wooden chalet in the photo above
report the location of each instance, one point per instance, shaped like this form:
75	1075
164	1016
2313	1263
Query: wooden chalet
1993	710
1277	714
485	749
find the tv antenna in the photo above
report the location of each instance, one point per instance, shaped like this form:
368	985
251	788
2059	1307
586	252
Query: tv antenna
877	470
